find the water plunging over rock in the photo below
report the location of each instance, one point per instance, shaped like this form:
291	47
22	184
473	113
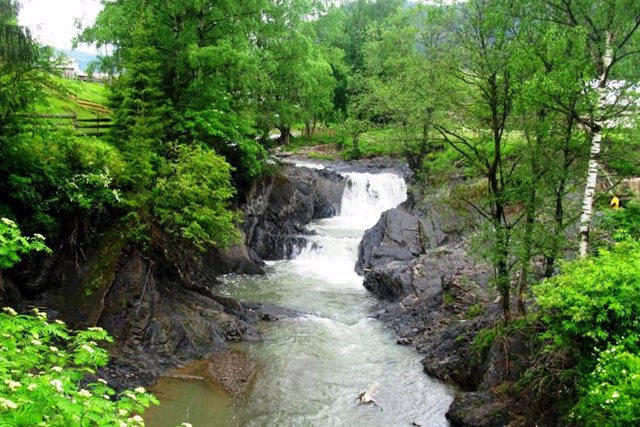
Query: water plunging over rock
315	365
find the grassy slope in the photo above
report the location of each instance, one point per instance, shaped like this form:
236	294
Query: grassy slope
63	95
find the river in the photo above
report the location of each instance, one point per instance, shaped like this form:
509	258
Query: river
314	366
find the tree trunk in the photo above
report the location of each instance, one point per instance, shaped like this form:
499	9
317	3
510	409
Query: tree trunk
525	271
502	270
590	190
308	131
594	156
558	230
285	135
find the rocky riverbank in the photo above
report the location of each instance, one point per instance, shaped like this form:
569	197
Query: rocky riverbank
438	299
162	306
160	303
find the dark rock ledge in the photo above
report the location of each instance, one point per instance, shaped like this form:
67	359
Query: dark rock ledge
437	298
162	304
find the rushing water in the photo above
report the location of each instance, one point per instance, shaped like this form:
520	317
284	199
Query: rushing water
314	366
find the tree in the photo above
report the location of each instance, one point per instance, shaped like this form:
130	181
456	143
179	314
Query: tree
552	144
298	80
405	74
141	113
482	40
183	92
18	58
607	40
24	68
204	57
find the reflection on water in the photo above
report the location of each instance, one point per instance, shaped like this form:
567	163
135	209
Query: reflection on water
313	367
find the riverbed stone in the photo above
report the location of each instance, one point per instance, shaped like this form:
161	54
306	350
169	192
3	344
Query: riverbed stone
234	371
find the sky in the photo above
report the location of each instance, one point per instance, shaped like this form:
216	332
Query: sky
52	21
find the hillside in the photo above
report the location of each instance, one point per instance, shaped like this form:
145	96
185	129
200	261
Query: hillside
64	96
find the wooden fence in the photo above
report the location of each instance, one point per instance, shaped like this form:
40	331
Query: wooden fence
91	126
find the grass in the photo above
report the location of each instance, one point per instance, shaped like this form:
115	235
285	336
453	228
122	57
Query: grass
325	144
63	95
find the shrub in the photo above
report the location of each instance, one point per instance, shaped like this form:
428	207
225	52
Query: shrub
13	244
52	176
610	395
193	201
595	301
621	224
44	368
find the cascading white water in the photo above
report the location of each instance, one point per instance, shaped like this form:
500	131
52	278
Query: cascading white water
367	195
314	366
332	253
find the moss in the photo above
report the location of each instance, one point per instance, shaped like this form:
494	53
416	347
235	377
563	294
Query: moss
449	299
103	268
483	341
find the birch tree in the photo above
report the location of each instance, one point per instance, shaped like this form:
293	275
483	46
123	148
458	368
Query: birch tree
611	36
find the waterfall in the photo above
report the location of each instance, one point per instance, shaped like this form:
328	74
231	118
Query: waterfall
315	365
332	252
367	195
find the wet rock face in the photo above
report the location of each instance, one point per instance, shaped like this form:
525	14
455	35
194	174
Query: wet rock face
479	409
438	299
282	205
426	275
399	235
165	312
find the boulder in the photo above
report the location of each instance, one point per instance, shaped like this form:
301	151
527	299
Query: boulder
281	205
478	409
399	235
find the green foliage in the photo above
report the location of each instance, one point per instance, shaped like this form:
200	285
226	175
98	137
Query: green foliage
594	302
621	224
13	244
483	341
52	175
610	395
44	369
475	310
192	201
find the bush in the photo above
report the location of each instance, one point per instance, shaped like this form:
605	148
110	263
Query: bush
44	368
13	244
610	395
592	310
595	301
52	176
193	201
621	224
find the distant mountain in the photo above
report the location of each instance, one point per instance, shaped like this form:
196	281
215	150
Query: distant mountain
83	58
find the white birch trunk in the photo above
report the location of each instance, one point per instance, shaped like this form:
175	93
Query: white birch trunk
596	143
589	192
